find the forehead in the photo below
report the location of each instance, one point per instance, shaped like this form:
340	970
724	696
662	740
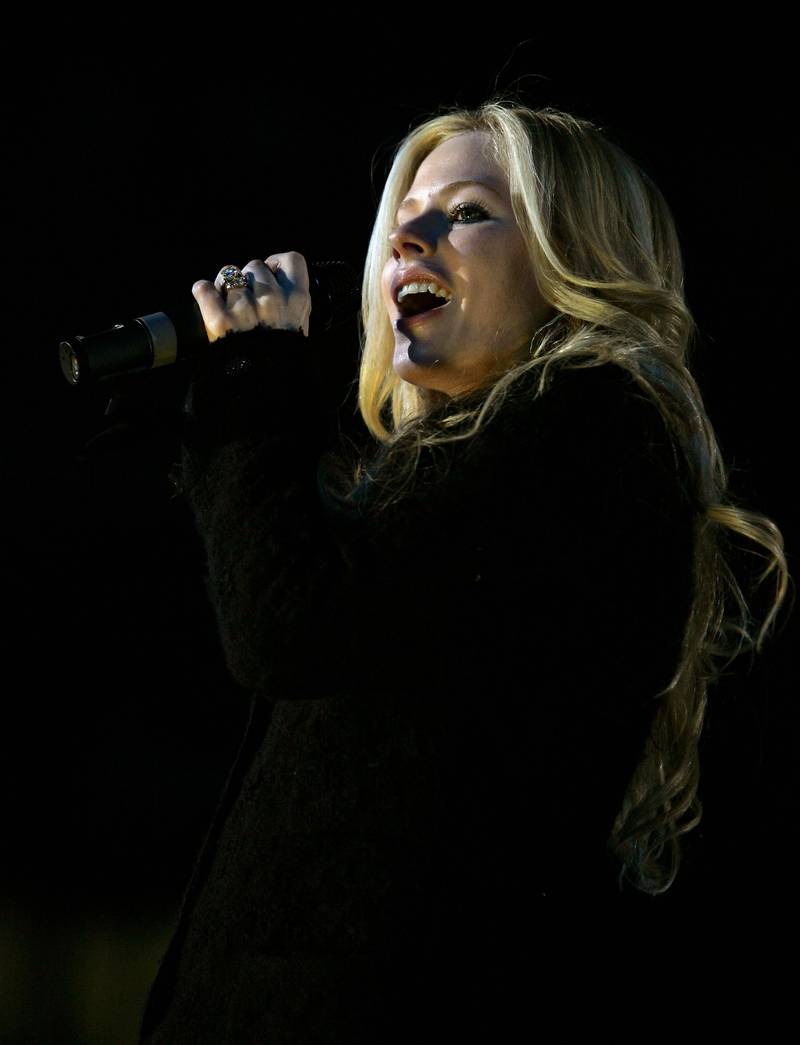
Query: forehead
463	157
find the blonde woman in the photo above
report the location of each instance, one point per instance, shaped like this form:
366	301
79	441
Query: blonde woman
479	653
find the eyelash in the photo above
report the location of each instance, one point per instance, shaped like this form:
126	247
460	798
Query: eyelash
455	210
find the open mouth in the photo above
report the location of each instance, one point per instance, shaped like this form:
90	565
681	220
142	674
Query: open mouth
422	317
418	307
416	304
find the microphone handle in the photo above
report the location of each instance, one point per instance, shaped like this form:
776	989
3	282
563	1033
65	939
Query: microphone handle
163	338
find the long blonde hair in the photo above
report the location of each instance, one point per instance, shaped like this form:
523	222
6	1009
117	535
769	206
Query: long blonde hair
604	245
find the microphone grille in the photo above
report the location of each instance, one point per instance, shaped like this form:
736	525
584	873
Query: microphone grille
335	288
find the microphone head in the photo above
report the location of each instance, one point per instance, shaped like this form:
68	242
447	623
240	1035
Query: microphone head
335	288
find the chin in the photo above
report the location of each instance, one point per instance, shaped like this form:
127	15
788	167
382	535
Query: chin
430	397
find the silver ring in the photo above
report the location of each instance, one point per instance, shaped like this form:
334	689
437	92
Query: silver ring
233	278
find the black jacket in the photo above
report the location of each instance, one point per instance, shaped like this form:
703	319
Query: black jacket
449	697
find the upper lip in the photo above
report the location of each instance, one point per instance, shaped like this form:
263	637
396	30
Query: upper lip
416	275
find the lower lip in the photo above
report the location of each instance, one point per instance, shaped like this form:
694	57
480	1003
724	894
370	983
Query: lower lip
412	321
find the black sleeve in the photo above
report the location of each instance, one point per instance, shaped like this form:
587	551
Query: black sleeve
559	537
256	426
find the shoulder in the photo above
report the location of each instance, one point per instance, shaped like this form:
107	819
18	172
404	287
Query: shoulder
587	407
592	427
594	388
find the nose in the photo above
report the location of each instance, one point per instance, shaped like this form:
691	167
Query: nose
412	238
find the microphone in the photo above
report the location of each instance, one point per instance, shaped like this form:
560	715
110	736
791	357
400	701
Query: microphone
163	338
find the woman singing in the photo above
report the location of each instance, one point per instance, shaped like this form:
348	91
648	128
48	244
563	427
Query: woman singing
478	654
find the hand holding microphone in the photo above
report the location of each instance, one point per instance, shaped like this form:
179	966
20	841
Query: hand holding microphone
272	293
279	294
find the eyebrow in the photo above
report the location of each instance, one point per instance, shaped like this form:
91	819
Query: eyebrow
452	185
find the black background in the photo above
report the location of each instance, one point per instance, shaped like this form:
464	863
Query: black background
130	173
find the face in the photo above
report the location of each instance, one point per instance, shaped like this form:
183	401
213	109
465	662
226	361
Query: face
467	239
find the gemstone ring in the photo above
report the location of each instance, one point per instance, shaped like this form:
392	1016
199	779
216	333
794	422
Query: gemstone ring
233	278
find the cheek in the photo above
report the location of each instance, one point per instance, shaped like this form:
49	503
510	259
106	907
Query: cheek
502	301
521	291
386	295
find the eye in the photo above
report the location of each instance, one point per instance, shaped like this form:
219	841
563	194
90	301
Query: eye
468	205
455	212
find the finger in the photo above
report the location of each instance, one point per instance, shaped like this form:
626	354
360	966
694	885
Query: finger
270	298
261	277
212	308
289	269
291	273
280	290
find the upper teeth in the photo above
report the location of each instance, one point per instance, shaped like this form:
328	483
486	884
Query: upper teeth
423	288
